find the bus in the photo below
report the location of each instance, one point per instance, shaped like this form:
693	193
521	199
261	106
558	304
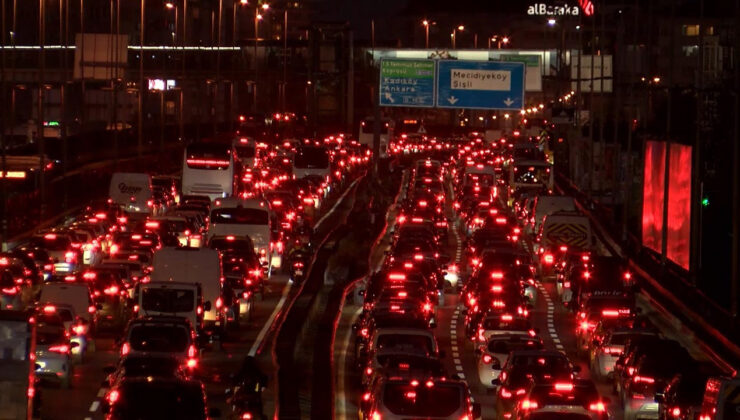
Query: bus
209	169
18	390
386	134
312	161
235	217
246	151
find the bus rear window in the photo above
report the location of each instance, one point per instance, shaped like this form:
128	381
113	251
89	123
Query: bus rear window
167	300
312	157
422	401
240	216
208	156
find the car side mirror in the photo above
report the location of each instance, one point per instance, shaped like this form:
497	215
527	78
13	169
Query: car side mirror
659	397
207	306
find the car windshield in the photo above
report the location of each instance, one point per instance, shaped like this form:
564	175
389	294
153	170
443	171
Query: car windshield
506	345
146	400
402	342
312	157
497	323
147	366
241	216
440	400
208	156
164	338
167	300
48	336
52	242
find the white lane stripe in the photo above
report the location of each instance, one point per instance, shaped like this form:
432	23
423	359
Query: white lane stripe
456	354
342	363
458	368
101	392
261	336
94	406
339	200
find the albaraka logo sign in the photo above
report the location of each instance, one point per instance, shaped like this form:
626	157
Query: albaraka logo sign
542	9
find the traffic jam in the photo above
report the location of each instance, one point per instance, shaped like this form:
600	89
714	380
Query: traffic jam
496	300
166	268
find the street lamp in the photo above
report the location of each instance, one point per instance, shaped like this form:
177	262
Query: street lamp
257	18
426	33
454	34
551	22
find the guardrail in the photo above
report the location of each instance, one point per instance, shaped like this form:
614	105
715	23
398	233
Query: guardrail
668	286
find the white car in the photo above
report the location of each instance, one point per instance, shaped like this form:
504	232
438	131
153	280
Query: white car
493	354
53	354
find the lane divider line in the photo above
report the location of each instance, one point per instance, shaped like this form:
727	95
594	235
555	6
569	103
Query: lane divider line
551	318
263	332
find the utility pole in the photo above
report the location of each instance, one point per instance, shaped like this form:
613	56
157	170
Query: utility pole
602	98
696	196
3	125
668	142
40	109
142	89
62	105
735	289
632	117
351	84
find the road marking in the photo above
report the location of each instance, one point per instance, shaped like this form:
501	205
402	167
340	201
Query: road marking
261	336
101	392
339	200
458	367
550	318
456	354
94	406
342	362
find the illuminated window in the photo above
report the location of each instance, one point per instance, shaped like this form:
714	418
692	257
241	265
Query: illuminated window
690	50
690	30
709	30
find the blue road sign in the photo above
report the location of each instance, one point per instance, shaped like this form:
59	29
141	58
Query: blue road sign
407	83
480	85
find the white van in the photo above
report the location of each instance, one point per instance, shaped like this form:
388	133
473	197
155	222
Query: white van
548	204
244	217
195	266
132	192
171	298
76	295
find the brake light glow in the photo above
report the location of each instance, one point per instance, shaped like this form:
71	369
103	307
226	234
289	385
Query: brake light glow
49	309
397	276
676	412
560	386
497	275
610	313
61	348
79	329
643	379
598	407
505	393
487	359
529	405
549	259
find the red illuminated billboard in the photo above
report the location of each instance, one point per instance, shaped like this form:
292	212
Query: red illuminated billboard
679	201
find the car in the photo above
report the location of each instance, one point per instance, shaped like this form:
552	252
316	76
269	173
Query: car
682	397
150	398
132	366
77	328
494	354
162	336
608	345
397	399
53	352
578	397
525	368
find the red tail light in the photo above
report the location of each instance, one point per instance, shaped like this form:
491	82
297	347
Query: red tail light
125	349
549	259
192	351
643	379
676	412
505	393
219	303
79	329
610	313
91	309
529	405
597	407
70	257
61	348
560	386
481	337
113	290
364	332
487	359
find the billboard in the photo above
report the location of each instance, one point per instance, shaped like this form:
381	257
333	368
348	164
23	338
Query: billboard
678	245
104	57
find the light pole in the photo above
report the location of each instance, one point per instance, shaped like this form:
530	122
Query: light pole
232	90
257	18
454	34
40	109
426	33
140	143
169	6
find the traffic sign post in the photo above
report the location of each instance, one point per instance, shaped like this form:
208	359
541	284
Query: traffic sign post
480	85
407	83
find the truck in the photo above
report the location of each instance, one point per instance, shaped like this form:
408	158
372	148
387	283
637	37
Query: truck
18	392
